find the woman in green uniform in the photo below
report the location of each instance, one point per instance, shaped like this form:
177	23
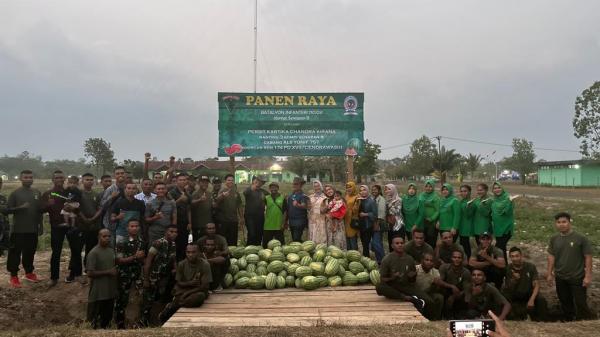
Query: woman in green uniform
482	218
431	212
412	211
467	212
503	217
449	211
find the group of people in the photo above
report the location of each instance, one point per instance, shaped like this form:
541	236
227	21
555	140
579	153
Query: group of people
170	237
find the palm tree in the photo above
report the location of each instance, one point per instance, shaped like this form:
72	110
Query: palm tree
445	161
473	162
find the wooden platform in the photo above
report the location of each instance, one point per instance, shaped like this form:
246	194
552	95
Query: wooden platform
296	307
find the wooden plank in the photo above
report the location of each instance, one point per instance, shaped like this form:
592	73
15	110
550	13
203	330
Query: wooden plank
288	321
232	311
348	314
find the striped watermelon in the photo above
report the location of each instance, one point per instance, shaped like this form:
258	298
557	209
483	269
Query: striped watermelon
290	281
242	282
305	261
365	261
343	263
280	282
277	257
228	280
332	267
273	243
233	269
342	271
337	253
319	255
308	246
256	282
275	267
292	268
303	254
334	281
353	255
261	270
240	274
251	268
372	265
375	277
293	257
252	249
271	281
356	267
237	252
277	249
265	254
327	259
349	279
303	271
363	277
310	283
321	246
296	243
291	249
318	268
262	264
242	263
298	282
322	281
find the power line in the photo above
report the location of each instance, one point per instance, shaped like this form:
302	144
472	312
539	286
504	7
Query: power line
506	145
395	146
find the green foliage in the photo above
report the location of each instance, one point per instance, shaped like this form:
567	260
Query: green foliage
13	165
136	168
100	154
367	163
472	162
523	158
586	122
445	161
421	156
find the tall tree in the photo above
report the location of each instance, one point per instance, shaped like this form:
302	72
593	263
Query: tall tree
445	161
587	121
298	165
522	159
136	168
367	163
473	161
421	156
100	154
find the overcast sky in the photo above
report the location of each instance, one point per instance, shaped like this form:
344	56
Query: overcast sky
144	75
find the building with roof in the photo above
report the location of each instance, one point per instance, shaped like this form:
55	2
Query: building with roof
572	173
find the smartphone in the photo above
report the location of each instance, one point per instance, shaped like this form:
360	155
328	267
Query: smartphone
472	328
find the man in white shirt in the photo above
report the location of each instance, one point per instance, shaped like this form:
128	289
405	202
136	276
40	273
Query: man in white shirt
146	195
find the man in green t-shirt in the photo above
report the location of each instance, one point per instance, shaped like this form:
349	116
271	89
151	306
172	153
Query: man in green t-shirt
201	209
398	275
521	289
101	270
445	247
229	213
221	248
482	297
455	279
193	277
490	259
570	265
417	246
219	263
275	212
428	280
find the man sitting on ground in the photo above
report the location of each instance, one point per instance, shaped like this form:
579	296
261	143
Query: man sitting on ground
428	280
219	264
445	247
398	275
455	278
490	259
521	289
222	248
417	246
193	277
482	296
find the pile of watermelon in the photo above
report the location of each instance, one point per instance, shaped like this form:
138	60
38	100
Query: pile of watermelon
302	265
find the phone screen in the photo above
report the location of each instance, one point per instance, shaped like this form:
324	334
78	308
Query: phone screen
469	329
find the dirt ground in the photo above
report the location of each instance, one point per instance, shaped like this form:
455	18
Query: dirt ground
41	306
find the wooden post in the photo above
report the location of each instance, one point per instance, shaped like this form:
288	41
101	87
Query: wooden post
232	165
349	168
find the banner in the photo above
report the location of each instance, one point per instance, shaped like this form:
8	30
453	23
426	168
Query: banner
288	124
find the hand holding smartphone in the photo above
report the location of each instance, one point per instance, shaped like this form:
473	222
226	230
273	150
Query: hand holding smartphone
472	328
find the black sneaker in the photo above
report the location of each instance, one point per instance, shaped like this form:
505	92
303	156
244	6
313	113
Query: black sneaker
419	303
70	279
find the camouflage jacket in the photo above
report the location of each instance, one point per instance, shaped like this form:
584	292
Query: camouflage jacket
163	261
126	249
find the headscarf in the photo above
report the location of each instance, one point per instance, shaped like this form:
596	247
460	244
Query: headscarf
448	199
367	188
322	192
350	200
332	188
394	195
500	200
429	196
410	203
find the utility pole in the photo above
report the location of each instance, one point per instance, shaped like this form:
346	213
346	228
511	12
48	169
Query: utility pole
255	40
439	139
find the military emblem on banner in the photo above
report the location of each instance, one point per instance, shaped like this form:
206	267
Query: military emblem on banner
350	105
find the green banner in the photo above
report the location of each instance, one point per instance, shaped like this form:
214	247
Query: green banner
285	124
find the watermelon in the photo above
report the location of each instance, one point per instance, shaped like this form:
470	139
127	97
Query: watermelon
296	243
303	271
310	283
321	246
277	249
342	271
319	255
356	267
262	270
305	261
363	277
273	243
275	267
349	279
365	261
292	268
233	269
242	263
252	249
308	246
322	281
228	280
265	254
237	252
332	267
280	282
343	263
291	249
290	281
337	253
318	268
298	282
283	273
372	266
303	254
256	282
286	264
252	274
233	260
334	281
375	277
327	259
353	255
251	268
242	282
271	281
293	257
277	257
262	264
240	274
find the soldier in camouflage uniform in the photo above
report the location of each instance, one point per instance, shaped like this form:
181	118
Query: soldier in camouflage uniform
130	257
158	272
4	227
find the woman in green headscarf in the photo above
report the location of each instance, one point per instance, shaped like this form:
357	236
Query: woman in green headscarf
431	212
449	211
412	210
503	217
467	211
482	219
